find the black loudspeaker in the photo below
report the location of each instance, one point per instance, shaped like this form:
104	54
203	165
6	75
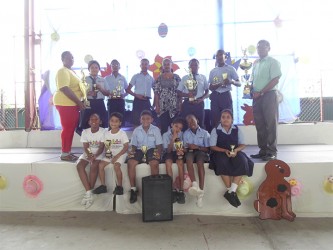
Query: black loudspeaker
157	198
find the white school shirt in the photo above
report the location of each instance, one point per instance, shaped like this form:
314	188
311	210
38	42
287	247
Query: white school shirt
117	140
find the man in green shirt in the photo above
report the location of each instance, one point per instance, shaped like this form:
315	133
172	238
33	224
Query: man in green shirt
266	75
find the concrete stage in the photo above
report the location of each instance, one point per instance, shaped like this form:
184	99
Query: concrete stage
307	148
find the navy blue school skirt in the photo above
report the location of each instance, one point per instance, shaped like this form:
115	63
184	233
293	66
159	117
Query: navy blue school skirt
231	166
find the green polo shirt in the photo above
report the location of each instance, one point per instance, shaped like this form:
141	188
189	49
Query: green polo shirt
264	70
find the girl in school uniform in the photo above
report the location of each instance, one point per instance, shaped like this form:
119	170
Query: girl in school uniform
227	159
96	98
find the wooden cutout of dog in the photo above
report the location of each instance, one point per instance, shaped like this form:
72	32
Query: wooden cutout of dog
274	195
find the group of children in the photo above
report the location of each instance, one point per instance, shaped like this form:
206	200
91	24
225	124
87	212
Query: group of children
194	145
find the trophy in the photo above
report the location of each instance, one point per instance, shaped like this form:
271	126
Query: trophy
144	150
108	153
179	147
95	89
156	155
232	152
117	91
84	87
245	65
90	153
191	85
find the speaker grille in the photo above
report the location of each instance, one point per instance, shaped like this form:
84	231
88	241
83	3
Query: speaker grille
157	198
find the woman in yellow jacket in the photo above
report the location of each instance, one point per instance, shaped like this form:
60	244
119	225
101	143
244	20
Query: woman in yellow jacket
67	100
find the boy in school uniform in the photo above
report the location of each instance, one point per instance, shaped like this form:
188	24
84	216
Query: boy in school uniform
197	144
194	99
115	90
142	83
173	154
146	146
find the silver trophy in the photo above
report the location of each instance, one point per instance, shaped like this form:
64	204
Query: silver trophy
191	85
246	66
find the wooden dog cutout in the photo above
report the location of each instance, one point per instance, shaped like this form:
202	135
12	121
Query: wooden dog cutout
274	195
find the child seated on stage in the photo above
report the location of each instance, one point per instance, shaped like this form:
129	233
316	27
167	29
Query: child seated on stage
146	146
196	142
227	159
175	154
92	139
116	153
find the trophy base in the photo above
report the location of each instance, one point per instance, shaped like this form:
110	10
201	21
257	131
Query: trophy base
87	104
192	99
247	96
109	156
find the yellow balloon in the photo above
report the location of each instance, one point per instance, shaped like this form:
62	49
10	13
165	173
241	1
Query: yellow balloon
328	186
251	49
55	36
245	188
3	182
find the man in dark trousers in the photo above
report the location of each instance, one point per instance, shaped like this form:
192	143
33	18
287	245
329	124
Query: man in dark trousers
266	74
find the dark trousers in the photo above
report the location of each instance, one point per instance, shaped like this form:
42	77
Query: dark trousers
218	102
194	109
266	114
98	107
138	107
116	105
165	122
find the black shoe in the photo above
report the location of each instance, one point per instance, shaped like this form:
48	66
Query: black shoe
237	200
269	157
100	190
181	197
118	190
134	196
174	196
231	198
257	156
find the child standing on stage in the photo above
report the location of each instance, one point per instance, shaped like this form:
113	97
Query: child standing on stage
227	159
119	146
95	97
146	146
92	139
173	154
142	83
196	142
115	86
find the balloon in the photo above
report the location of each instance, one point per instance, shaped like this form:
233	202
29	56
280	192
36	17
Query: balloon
251	49
245	188
3	182
88	58
140	54
162	30
55	36
191	51
32	186
328	185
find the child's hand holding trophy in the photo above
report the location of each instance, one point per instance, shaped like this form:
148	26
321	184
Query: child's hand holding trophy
179	146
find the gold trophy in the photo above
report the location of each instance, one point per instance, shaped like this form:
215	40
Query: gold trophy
84	87
90	153
232	152
245	65
191	85
144	150
108	153
179	146
224	77
117	91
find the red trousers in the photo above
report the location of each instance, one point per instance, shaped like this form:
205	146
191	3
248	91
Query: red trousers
69	118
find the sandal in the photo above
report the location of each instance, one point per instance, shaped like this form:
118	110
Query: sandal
69	157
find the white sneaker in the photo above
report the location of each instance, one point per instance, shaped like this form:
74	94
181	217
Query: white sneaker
199	200
194	189
87	199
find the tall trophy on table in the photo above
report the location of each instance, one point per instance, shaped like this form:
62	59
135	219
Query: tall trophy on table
246	66
191	85
85	88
